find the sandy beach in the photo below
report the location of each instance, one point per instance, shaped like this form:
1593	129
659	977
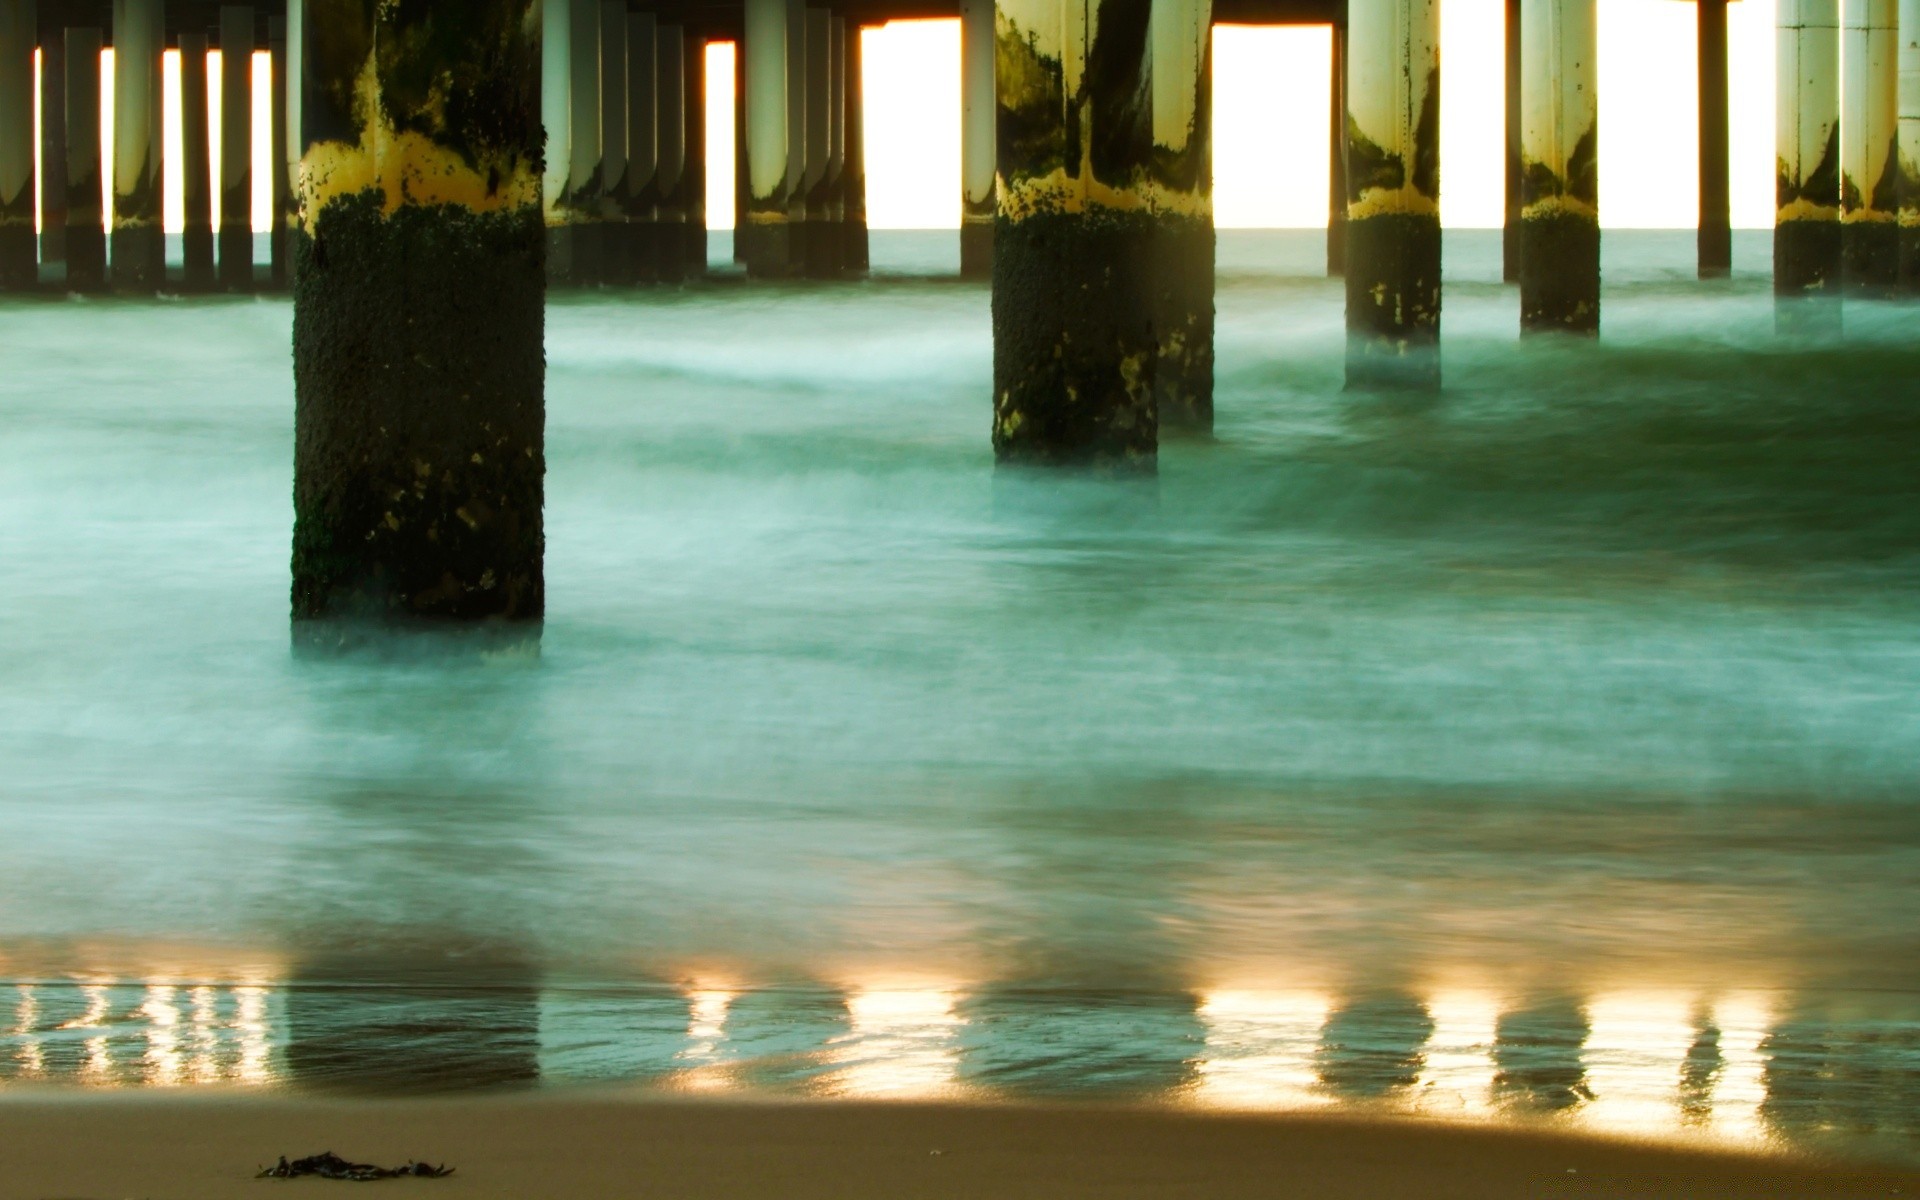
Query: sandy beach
81	1147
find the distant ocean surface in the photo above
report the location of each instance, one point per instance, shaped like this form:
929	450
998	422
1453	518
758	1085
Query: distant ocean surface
1548	750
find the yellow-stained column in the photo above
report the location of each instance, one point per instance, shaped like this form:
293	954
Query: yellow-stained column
1560	182
139	243
764	240
976	138
419	288
1806	231
1869	148
1909	135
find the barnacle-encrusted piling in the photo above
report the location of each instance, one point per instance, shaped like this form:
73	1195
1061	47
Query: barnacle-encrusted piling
1560	177
139	242
1103	263
1869	149
86	240
976	138
19	257
418	311
1806	232
1393	193
236	148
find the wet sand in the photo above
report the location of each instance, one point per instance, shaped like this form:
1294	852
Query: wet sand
89	1147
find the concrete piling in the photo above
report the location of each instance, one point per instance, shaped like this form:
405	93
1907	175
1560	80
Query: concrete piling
616	247
1715	249
236	147
196	167
1560	186
976	139
1393	193
53	150
1515	164
1909	138
853	171
1869	149
1806	234
570	110
419	296
671	139
19	256
1179	191
279	191
821	240
640	198
1337	156
796	121
693	173
836	140
86	240
139	241
764	239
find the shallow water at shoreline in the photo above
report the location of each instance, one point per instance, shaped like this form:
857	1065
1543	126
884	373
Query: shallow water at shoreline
1546	747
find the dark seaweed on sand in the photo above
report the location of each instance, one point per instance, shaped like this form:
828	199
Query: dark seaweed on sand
332	1166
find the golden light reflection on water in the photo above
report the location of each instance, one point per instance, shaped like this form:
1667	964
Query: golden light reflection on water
901	1043
163	1059
1458	1073
1636	1047
27	1049
1739	1086
706	1031
1261	1050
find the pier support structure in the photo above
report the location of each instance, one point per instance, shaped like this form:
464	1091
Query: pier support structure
570	110
1560	183
279	191
1869	149
1909	137
19	256
1716	212
236	147
1337	154
616	231
53	149
139	240
196	167
1393	193
419	406
822	240
853	172
765	239
670	139
1104	206
1515	172
976	139
641	198
86	240
693	171
1806	232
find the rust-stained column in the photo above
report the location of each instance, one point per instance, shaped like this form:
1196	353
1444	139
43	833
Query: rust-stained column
616	231
641	197
19	256
277	256
1909	101
236	147
1096	192
764	240
1337	156
1869	149
1393	193
1560	220
1515	174
196	167
853	177
86	223
139	243
418	308
1806	231
693	175
671	138
1716	211
53	149
976	138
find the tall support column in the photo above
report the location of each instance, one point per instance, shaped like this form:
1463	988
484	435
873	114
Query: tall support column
236	147
1869	149
1516	175
1337	155
618	266
693	175
1393	193
277	256
1806	231
853	176
976	139
642	195
196	166
1560	217
86	221
419	294
765	239
817	131
1095	189
1909	68
570	110
1716	212
672	140
796	111
1179	188
139	243
837	141
53	149
19	256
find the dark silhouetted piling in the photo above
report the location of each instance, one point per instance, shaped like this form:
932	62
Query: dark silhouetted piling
1337	155
279	173
139	240
671	139
1393	193
853	173
418	312
641	197
1179	192
693	174
1869	150
1715	247
1560	186
1806	232
19	256
1515	163
196	167
53	150
236	147
616	231
976	139
822	243
86	241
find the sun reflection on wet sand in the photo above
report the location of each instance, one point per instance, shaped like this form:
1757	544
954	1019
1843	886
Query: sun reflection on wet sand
706	1068
902	1043
163	1061
1459	1067
1739	1086
1636	1047
250	1022
1261	1050
26	1017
